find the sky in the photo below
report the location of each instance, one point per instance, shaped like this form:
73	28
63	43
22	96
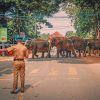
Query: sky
61	25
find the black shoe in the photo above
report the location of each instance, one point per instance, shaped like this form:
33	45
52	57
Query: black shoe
22	91
13	92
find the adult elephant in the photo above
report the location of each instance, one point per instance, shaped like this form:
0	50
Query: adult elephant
38	45
94	45
80	45
63	45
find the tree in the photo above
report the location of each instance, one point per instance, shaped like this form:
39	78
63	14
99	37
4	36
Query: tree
86	15
70	34
25	14
44	36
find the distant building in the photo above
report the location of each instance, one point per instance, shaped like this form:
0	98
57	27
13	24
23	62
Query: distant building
56	34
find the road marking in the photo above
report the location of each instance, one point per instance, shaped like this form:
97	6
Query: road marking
21	96
35	71
8	74
74	78
4	79
5	70
53	72
72	71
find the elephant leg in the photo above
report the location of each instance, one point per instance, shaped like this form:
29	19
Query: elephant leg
93	51
90	52
66	53
79	53
42	54
73	52
32	55
58	53
99	52
62	53
36	54
84	53
69	52
48	55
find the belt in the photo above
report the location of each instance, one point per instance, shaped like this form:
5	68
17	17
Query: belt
18	59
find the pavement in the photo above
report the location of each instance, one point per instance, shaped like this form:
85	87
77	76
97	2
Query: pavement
54	79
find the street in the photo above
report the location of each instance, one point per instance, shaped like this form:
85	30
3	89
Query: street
54	79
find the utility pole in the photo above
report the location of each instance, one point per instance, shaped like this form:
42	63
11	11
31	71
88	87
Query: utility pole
18	19
35	29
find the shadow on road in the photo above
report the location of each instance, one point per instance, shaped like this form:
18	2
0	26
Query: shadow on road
61	60
73	61
81	60
5	68
27	87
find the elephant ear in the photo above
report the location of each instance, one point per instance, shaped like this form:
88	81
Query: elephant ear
26	42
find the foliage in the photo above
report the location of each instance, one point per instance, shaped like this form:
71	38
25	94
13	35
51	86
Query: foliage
24	15
85	15
70	34
44	36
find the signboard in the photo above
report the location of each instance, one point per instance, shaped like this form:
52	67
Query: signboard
22	37
3	34
22	34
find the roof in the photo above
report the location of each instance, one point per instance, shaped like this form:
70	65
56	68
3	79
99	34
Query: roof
56	34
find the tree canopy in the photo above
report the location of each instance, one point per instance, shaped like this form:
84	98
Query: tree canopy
85	14
24	15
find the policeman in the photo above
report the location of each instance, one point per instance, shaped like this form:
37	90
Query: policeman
18	64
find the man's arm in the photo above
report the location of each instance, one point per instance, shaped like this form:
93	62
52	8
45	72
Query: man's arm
7	49
4	49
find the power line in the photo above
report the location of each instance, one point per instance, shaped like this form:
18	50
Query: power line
58	26
52	28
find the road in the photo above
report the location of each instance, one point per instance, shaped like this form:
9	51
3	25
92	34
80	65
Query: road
54	79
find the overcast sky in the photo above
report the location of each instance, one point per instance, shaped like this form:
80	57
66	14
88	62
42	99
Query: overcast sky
61	25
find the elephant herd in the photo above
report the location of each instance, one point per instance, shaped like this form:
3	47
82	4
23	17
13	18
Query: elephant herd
73	46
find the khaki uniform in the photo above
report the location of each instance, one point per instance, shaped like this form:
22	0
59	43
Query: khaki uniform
18	64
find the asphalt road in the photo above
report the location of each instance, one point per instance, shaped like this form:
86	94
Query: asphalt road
54	79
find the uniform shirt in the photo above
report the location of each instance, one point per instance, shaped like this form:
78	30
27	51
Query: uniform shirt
19	51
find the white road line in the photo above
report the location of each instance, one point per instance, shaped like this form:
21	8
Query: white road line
4	79
8	74
21	96
53	72
72	73
35	71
